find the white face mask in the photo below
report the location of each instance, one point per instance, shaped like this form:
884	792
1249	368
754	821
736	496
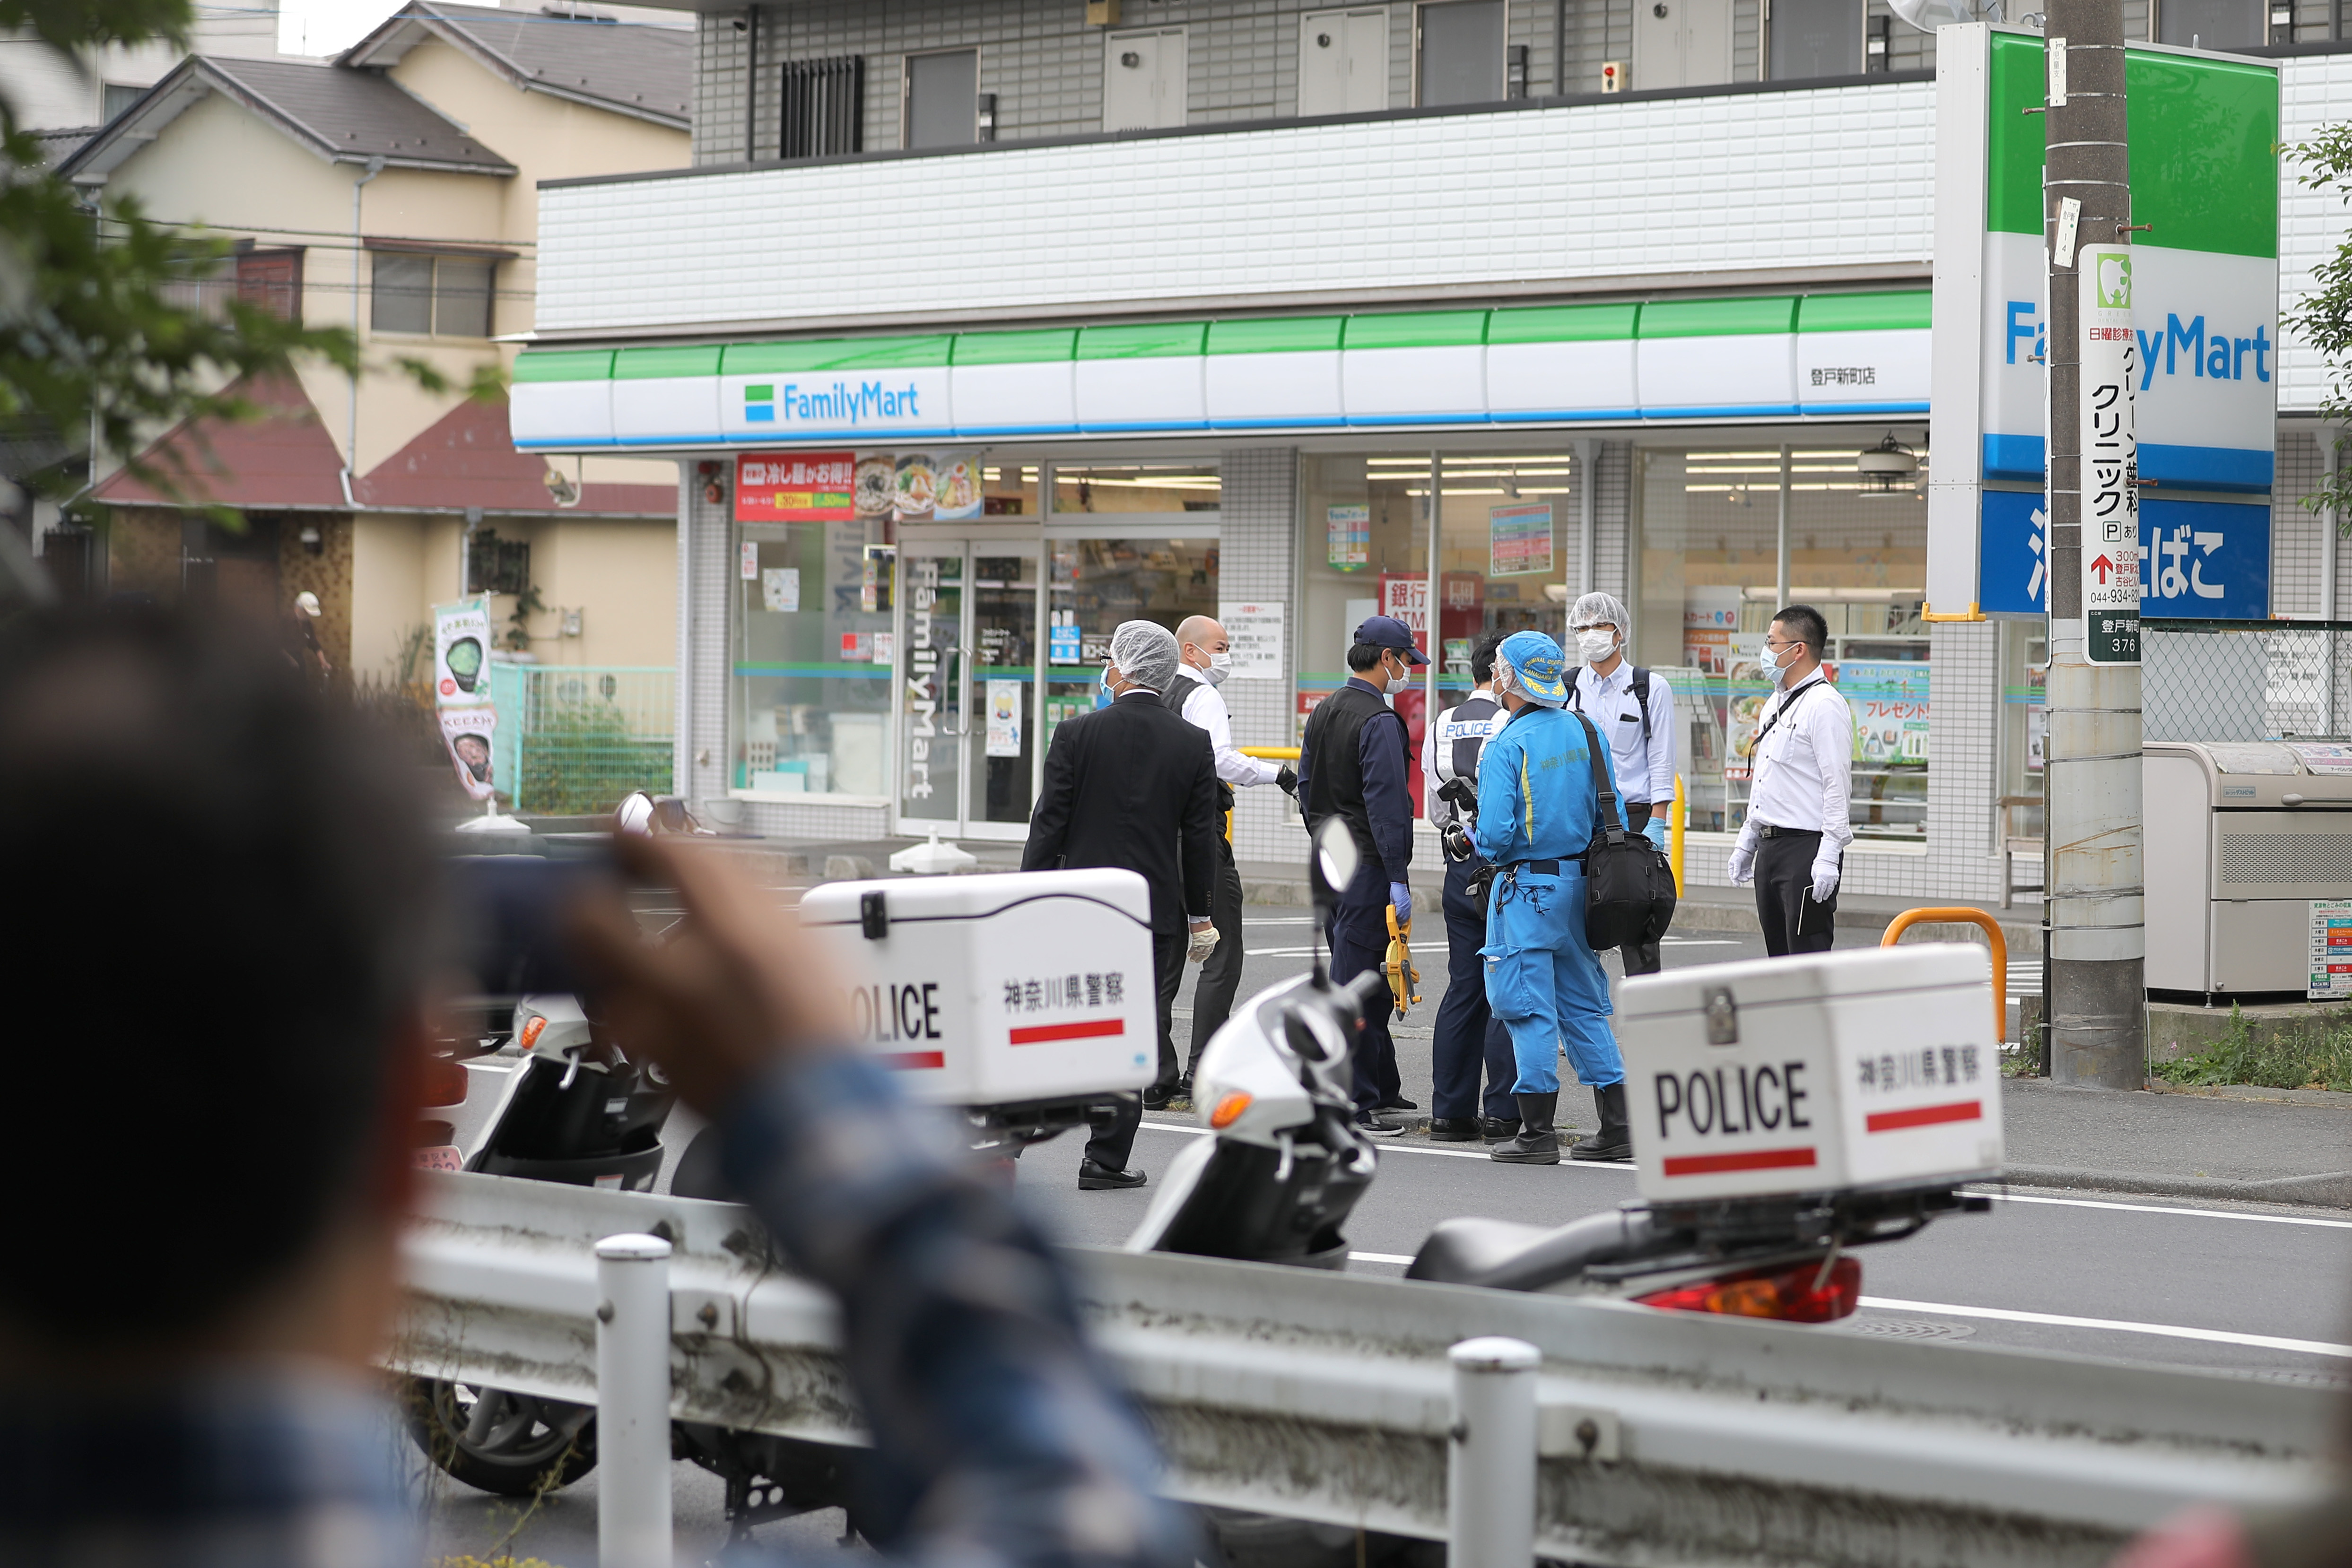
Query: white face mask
1776	662
1220	667
1596	644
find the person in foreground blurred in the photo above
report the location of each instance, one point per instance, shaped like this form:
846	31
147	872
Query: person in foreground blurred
188	1347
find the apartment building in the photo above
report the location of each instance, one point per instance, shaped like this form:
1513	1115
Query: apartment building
978	330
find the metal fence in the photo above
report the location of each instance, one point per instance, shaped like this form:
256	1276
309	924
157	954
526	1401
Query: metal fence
2219	679
575	738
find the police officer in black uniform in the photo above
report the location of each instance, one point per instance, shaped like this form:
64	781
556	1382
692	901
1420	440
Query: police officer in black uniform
1466	1033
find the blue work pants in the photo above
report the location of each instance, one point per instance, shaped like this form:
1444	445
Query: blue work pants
1544	982
1360	941
1467	1035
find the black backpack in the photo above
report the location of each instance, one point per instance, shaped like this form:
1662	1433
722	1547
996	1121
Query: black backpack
1628	886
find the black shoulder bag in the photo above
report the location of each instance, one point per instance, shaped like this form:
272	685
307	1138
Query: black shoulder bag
1629	886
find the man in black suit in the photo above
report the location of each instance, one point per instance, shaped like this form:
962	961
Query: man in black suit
1134	786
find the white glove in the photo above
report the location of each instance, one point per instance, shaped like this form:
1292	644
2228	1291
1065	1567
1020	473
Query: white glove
1204	943
1825	880
1743	857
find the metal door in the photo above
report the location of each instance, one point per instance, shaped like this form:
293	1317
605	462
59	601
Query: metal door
1144	79
969	613
1681	43
1343	61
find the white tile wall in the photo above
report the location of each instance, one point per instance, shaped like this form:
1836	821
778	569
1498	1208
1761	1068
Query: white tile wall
1796	179
2298	536
1258	557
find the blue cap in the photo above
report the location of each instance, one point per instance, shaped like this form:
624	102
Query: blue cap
1388	632
1540	670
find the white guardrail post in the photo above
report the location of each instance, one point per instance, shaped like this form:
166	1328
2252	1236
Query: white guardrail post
1490	1483
633	1507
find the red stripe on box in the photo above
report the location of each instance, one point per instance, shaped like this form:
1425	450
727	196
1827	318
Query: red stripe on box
1090	1028
905	1061
1925	1116
1759	1160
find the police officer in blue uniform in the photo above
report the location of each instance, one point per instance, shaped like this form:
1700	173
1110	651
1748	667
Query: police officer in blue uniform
1467	1034
1537	808
1352	766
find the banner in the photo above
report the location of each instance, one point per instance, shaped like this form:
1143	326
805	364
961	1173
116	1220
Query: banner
461	654
794	488
466	732
2110	449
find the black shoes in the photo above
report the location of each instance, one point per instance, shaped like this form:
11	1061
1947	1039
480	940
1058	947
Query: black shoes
1615	1139
1454	1129
1093	1177
1494	1129
1378	1124
1398	1103
1156	1098
1536	1144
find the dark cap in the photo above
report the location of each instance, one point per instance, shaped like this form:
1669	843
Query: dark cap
1388	632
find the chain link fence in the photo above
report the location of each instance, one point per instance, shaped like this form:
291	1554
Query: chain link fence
2261	681
573	739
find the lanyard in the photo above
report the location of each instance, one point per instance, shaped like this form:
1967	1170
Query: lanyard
1756	747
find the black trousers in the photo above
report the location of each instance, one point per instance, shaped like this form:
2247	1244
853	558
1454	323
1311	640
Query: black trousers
1114	1137
1220	977
1793	922
1641	958
1360	941
1467	1035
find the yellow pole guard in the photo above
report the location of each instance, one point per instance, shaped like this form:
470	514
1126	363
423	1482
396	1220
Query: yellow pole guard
1961	915
1674	827
1270	753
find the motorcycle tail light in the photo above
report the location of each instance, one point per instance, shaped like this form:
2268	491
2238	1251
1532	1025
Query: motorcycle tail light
1229	1110
533	1030
1804	1294
446	1081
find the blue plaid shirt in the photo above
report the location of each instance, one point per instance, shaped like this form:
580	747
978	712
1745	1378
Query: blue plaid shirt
1000	1437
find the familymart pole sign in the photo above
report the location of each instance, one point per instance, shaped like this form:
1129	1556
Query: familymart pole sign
2180	341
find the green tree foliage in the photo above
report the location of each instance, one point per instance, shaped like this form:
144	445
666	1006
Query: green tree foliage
2324	319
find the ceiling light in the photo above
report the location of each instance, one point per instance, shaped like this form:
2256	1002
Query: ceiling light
1888	466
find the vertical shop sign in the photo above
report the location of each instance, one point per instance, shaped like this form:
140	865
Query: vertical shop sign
1518	539
2331	949
750	565
1407	599
794	487
922	675
1348	533
2110	449
461	691
1254	631
1004	717
1062	638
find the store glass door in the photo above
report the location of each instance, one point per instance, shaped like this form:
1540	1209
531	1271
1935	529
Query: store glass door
968	695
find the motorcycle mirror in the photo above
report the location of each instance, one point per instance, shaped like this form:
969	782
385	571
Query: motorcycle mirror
1334	863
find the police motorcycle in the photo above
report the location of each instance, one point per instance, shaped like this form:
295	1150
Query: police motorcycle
529	1084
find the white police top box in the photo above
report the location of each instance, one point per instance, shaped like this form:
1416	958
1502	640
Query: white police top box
1870	1069
1034	988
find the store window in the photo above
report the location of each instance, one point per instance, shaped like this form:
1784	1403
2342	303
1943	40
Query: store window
1710	548
813	660
1093	584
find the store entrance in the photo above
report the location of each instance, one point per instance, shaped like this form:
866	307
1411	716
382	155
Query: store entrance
968	626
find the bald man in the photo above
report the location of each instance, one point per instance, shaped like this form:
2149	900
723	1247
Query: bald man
1208	659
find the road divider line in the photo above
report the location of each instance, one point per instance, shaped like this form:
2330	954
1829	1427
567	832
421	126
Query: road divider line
1396	1258
2166	1208
2112	1326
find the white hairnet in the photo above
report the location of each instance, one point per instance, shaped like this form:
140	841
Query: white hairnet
1145	652
1597	608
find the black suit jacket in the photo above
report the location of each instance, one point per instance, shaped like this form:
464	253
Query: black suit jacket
1132	786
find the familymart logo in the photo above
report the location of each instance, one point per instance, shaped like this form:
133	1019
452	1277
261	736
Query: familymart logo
841	402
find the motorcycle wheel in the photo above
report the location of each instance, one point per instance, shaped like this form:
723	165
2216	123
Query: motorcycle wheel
511	1444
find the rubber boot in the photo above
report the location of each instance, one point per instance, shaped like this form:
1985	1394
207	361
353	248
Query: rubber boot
1615	1139
1536	1144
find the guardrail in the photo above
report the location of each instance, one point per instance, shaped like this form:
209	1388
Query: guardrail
1660	1438
1960	914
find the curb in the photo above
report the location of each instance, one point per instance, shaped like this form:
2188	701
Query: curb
2332	1190
2329	1099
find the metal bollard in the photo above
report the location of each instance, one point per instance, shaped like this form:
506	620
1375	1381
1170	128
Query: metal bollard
1490	1483
633	1508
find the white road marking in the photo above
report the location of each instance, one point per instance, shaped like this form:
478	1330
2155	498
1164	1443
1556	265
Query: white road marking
1696	942
1378	1257
1387	1147
2158	1208
1279	952
2111	1325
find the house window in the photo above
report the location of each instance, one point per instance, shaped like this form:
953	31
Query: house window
942	99
494	565
272	281
1815	39
443	296
824	107
2210	24
1461	54
118	95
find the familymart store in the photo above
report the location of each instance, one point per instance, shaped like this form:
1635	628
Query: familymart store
904	555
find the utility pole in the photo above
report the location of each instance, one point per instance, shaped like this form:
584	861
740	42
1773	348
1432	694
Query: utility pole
2097	1009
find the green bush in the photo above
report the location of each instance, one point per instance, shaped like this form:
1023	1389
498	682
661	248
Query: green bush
578	758
2318	1056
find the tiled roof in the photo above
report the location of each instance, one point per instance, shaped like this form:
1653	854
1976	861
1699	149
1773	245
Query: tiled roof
632	68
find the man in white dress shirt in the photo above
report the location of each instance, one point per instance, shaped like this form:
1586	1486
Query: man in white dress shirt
1793	842
1208	659
1634	712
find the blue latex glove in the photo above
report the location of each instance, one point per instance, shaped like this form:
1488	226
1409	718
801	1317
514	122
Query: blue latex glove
1400	895
1655	831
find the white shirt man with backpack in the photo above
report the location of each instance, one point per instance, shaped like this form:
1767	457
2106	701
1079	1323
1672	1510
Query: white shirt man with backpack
1633	709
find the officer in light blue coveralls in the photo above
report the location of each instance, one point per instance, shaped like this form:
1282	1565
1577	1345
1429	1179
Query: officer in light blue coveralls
1535	810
